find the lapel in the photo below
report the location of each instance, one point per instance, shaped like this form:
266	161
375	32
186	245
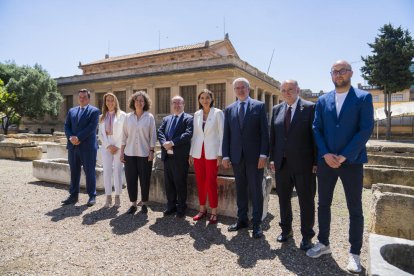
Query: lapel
235	115
297	114
280	119
332	106
177	125
348	102
83	114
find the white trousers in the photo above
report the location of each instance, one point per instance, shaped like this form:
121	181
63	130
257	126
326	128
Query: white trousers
112	168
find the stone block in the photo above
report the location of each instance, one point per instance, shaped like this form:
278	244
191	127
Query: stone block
57	151
40	137
29	153
20	149
226	187
58	171
391	160
392	210
389	174
2	137
390	256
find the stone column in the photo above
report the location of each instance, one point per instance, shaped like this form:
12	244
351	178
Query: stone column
230	97
256	91
151	94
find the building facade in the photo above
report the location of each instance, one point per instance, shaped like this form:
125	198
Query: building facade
165	73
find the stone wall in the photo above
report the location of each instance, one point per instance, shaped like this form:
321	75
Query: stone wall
392	210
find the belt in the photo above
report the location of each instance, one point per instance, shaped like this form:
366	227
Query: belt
109	133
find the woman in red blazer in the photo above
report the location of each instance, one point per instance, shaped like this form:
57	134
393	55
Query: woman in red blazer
206	152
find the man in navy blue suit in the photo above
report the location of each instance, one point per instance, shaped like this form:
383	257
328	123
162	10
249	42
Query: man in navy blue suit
344	120
80	129
174	136
245	148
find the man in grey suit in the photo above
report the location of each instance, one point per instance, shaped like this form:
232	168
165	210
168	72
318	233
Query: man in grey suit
293	159
245	147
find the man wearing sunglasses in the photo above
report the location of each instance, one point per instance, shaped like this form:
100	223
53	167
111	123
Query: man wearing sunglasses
344	120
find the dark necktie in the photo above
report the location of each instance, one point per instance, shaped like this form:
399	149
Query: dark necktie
172	128
241	114
288	117
81	109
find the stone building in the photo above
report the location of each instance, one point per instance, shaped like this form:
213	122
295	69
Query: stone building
183	70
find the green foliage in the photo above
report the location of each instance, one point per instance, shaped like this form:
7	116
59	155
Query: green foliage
35	90
388	67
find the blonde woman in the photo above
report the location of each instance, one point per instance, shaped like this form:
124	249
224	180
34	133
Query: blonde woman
137	150
110	133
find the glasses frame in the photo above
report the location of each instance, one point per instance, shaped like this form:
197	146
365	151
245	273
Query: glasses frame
341	72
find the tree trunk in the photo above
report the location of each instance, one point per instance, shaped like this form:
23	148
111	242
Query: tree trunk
389	114
5	125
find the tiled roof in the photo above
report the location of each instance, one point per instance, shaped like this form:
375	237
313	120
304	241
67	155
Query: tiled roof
157	52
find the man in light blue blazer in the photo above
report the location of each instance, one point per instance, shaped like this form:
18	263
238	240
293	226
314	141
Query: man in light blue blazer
80	129
245	147
344	120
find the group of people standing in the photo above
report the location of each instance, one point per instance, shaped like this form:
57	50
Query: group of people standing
326	140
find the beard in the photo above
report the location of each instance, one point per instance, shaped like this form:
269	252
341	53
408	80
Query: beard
342	83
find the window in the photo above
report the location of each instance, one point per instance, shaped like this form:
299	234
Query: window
163	100
219	92
121	95
251	93
397	97
68	102
375	98
99	100
189	94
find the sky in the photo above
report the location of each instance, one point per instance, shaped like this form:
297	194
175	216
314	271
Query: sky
307	37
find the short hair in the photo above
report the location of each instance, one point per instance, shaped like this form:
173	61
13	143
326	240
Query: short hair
84	90
244	80
147	100
209	93
178	97
291	81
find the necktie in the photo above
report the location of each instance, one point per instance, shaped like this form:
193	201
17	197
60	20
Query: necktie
288	117
81	109
172	128
241	114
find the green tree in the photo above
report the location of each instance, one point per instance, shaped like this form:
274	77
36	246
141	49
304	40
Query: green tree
7	100
34	92
388	67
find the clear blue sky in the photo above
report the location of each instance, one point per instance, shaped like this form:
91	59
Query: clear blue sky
308	36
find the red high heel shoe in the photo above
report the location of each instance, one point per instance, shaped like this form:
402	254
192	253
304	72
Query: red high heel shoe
200	215
213	219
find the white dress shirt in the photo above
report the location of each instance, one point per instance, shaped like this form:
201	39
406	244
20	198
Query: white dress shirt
139	135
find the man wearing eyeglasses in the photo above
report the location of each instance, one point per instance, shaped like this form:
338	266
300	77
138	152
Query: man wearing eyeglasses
344	120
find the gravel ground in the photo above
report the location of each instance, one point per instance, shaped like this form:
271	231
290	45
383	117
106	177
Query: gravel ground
39	236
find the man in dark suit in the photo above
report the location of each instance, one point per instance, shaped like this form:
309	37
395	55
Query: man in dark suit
245	147
344	120
293	159
80	129
175	135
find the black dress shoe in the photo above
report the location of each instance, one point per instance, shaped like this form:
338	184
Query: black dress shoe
306	244
70	200
168	212
132	210
257	231
144	209
91	201
238	225
285	236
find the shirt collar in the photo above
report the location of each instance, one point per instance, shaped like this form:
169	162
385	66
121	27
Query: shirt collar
293	106
245	101
179	115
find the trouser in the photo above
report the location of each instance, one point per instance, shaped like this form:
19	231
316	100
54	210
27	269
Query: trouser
305	185
206	176
249	181
112	168
138	167
351	176
175	181
87	159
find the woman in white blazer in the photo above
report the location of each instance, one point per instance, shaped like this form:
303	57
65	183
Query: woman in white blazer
205	152
110	133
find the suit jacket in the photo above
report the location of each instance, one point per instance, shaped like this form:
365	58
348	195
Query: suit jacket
181	137
297	145
252	140
212	136
347	134
84	129
116	131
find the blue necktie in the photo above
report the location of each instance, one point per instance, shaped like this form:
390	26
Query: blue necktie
172	128
241	114
81	109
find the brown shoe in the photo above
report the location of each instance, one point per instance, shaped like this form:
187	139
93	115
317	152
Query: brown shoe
117	201
108	201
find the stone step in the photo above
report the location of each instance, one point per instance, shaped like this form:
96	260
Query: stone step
389	174
391	160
